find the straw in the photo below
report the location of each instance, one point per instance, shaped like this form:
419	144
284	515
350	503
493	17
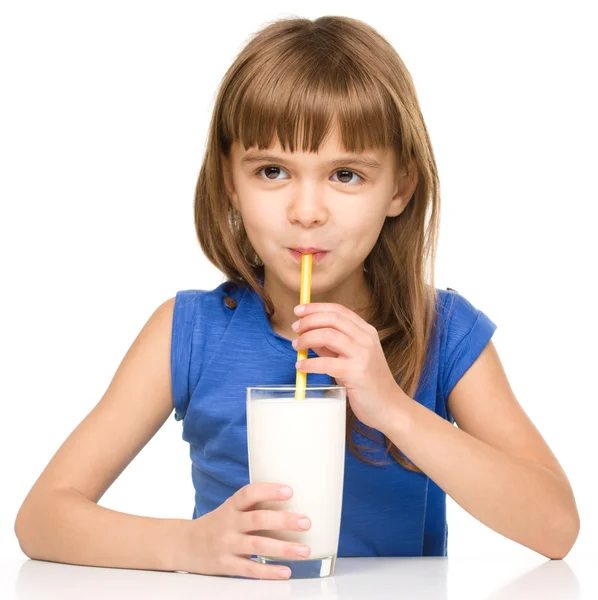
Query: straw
304	296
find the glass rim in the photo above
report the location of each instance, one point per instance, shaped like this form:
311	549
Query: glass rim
292	386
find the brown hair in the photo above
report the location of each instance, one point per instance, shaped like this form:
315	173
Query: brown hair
334	69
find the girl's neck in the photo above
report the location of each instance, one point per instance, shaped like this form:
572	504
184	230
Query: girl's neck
353	293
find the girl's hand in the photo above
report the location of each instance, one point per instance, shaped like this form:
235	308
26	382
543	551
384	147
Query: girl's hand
350	351
222	541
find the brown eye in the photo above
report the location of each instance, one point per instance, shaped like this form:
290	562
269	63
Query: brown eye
347	173
268	171
271	171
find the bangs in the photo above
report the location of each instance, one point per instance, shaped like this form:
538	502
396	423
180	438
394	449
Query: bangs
301	99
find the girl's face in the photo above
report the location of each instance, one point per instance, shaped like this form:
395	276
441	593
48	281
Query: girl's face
327	200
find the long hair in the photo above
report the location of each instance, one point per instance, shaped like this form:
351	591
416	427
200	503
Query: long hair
295	78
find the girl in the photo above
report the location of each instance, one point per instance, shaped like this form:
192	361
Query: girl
316	144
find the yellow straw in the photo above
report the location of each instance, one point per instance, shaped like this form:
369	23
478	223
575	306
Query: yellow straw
304	296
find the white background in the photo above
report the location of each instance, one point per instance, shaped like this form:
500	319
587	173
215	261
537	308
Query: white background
104	115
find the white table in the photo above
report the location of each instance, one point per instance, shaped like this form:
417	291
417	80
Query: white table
355	579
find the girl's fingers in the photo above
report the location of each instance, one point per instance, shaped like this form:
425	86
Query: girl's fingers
328	338
330	308
336	321
330	366
252	493
267	546
246	567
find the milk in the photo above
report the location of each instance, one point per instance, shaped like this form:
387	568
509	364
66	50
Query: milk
301	443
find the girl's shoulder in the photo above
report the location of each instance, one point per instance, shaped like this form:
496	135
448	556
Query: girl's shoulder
200	320
464	332
458	314
220	300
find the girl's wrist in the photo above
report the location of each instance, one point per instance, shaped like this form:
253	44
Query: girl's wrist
176	552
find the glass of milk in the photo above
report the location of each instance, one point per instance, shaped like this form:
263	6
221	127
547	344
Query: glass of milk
301	443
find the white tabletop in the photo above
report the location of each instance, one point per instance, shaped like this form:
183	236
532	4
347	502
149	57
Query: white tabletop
355	579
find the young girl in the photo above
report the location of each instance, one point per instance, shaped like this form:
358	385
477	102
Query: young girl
317	144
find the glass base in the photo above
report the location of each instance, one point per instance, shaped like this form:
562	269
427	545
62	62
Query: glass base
304	568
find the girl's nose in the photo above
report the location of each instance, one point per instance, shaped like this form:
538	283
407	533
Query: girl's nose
307	208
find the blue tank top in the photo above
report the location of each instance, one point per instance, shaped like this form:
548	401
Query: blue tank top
222	342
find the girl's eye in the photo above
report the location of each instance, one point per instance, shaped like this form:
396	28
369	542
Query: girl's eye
345	173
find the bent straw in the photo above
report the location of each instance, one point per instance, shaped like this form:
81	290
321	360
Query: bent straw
304	296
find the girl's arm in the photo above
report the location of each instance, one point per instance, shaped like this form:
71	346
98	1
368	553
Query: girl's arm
496	465
60	519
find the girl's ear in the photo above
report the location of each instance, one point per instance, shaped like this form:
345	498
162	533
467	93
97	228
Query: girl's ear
227	174
404	190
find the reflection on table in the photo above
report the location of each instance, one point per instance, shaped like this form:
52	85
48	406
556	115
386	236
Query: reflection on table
355	578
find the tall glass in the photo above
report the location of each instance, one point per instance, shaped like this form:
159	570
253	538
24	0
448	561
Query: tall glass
301	443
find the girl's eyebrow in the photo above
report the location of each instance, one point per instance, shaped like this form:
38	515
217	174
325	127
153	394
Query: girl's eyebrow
348	160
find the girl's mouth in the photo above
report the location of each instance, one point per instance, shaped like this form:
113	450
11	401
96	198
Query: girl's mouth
316	257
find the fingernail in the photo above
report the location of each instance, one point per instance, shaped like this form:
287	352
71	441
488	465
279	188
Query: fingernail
295	343
300	309
284	573
286	491
303	550
304	523
295	326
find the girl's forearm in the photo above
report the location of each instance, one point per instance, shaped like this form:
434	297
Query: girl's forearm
521	500
65	526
